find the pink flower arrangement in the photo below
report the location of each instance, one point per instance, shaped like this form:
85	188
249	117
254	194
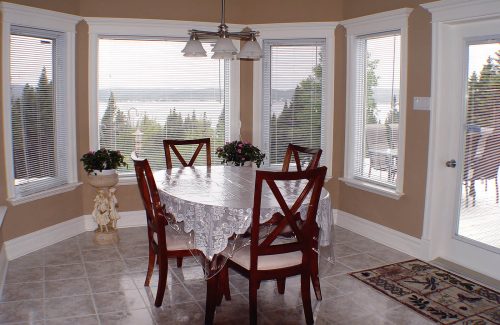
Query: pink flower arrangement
239	152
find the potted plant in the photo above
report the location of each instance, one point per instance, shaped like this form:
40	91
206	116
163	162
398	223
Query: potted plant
101	166
240	153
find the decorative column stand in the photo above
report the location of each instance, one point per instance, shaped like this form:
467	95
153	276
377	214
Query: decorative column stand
105	203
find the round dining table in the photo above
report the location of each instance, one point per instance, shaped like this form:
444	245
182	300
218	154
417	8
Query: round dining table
215	203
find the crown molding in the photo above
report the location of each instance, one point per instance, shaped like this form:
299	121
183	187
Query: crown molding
460	10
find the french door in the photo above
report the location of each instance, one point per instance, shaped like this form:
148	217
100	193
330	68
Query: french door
464	214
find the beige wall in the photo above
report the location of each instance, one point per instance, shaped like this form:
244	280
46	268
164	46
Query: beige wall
405	215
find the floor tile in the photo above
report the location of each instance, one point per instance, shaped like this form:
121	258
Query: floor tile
130	317
130	251
31	260
110	283
84	320
124	300
185	313
21	291
67	287
97	255
341	250
62	258
174	294
24	275
95	269
61	272
21	311
364	245
360	261
69	307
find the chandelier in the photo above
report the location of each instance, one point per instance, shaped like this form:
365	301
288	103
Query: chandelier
224	47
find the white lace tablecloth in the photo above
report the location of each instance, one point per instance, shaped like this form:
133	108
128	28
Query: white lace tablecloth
216	202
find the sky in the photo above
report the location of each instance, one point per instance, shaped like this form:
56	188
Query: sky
124	65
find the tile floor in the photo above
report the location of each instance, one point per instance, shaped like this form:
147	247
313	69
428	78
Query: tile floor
77	282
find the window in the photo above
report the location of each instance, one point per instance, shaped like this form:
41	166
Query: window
147	92
39	101
293	96
293	90
375	105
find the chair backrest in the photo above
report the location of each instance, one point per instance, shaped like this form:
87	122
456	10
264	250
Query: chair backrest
305	232
377	137
172	144
156	218
296	151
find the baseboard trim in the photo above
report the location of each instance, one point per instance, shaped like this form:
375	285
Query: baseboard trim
39	239
4	263
395	239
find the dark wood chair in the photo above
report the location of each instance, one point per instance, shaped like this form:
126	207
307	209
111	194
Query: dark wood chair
269	258
315	155
170	144
162	242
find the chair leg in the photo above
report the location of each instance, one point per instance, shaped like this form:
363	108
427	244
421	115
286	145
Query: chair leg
281	285
162	281
253	301
306	297
210	305
315	279
223	287
179	261
151	265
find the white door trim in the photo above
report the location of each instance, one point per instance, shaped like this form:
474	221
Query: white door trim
446	15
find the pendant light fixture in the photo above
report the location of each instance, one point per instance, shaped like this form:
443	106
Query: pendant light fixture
224	47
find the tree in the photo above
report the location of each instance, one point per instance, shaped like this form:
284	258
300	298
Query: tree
371	82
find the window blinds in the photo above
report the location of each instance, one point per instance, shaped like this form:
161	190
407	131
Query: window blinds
147	92
39	131
376	116
293	95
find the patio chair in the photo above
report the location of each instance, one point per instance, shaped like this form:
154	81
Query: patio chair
163	242
171	144
268	258
313	157
485	163
378	148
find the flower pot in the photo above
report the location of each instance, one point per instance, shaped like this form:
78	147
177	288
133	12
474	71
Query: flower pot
104	178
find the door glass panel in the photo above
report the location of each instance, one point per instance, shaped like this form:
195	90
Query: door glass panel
479	218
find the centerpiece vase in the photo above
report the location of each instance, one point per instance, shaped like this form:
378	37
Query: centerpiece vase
105	203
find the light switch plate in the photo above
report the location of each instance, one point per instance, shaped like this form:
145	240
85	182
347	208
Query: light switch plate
421	103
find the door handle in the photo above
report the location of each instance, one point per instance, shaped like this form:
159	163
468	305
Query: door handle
451	163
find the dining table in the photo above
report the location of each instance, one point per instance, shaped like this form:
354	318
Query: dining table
214	203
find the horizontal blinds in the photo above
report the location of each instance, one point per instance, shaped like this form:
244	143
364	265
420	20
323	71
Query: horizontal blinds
38	119
376	115
481	160
293	95
147	92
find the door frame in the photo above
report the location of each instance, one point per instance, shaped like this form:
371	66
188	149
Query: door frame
438	218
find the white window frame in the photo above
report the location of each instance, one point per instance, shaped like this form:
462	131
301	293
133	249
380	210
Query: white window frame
292	31
24	16
395	20
102	27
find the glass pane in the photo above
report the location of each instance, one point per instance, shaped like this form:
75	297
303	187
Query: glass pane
377	108
33	108
479	209
148	91
293	96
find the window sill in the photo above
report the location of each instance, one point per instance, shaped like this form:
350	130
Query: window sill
54	191
369	187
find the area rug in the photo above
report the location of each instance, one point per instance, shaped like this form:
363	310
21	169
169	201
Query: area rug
442	296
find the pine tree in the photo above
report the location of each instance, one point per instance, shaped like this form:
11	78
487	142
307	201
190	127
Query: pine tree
371	82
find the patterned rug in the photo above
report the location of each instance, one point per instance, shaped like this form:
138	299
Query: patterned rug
442	296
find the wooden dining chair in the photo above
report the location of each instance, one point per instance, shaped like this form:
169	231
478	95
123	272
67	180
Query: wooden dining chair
315	155
269	257
295	150
162	243
171	144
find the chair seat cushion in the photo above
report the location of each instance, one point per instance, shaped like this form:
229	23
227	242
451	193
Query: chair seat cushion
175	241
267	262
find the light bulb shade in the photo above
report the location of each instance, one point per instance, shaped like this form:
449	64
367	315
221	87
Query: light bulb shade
251	50
194	48
223	56
224	45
